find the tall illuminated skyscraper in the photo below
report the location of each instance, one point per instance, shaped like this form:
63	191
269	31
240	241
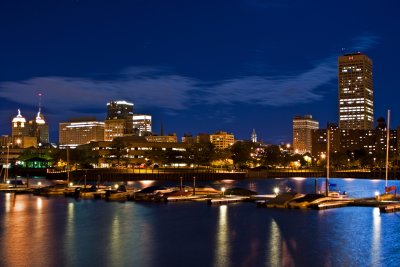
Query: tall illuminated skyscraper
356	98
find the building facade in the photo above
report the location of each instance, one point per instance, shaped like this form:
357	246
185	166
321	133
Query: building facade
119	110
80	131
355	86
37	128
302	133
222	140
373	142
141	124
172	138
19	126
119	120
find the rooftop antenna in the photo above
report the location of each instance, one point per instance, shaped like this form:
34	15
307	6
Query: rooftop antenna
40	101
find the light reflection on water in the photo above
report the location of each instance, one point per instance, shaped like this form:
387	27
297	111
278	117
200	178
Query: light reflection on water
38	231
376	241
275	242
222	238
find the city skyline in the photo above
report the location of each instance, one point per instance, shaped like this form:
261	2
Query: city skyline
195	67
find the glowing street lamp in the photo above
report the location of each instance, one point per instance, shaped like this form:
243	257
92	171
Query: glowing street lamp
377	195
223	190
276	190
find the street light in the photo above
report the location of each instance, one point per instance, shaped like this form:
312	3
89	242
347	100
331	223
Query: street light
276	190
377	195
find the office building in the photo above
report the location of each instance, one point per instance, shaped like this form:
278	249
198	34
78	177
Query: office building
171	138
119	110
222	140
119	120
141	124
80	131
356	100
302	133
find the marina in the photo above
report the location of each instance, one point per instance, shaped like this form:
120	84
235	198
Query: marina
128	233
204	193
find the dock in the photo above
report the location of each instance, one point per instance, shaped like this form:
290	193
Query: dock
331	205
17	190
392	207
184	198
226	200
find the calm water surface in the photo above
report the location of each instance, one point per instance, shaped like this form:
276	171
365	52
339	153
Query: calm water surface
58	231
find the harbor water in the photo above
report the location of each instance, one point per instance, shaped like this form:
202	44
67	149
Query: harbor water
58	231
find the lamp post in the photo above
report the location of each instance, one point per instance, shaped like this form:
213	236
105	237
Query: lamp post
223	191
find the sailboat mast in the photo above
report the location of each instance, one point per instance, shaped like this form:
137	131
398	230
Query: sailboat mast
68	165
327	161
387	147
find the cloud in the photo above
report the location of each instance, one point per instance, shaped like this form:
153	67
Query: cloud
157	87
67	94
272	91
365	41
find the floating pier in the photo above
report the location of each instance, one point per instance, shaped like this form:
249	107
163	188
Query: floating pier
226	200
184	198
330	205
393	207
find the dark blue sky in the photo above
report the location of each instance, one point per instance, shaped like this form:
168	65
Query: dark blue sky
198	66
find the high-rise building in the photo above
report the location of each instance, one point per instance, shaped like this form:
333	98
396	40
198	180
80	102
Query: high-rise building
39	128
356	99
115	128
141	124
80	131
119	121
302	133
119	110
19	126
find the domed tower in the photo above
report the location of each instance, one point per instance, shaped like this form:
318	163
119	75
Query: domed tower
39	127
19	126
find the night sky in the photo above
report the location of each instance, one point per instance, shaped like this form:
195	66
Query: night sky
196	66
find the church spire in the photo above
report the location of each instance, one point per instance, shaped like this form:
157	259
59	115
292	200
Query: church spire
254	136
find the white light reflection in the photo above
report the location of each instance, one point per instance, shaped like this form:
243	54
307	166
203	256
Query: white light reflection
116	242
376	239
299	178
228	181
8	202
146	183
39	203
70	233
222	251
274	255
